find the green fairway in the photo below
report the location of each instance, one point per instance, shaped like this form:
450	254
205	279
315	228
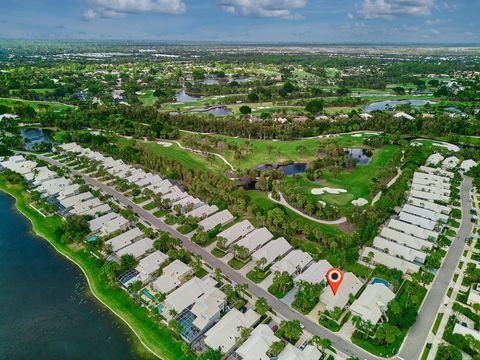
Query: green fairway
147	98
357	182
157	338
37	105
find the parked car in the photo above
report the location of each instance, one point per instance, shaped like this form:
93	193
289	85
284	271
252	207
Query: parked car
275	328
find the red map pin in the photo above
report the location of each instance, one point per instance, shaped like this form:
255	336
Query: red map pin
334	278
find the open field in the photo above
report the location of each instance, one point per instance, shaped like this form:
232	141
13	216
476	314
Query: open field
37	105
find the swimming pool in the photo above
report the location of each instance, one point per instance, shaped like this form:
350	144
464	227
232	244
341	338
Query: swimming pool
160	308
148	295
92	238
380	281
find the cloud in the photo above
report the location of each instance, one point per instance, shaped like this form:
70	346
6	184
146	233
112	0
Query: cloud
121	8
392	9
264	8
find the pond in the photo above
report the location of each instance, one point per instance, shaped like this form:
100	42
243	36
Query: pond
289	169
183	97
34	136
216	110
362	155
239	80
210	82
392	104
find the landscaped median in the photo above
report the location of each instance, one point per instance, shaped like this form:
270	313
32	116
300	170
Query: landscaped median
156	340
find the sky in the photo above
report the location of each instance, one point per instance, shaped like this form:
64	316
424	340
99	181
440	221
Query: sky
303	21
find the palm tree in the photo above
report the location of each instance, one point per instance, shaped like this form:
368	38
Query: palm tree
321	343
261	263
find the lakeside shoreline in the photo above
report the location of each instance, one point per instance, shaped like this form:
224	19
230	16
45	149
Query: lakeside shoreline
145	350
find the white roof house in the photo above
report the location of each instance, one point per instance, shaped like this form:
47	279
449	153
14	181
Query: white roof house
463	330
315	273
173	275
187	294
202	211
137	249
294	262
43	174
162	187
148	180
435	159
68	191
221	218
405	239
450	163
350	285
429	205
149	264
84	206
293	353
125	239
420	180
436	171
258	344
391	261
208	307
429	196
224	334
235	232
77	199
399	250
188	201
425	213
54	186
439	176
473	296
434	189
256	239
273	250
372	303
417	220
466	165
97	210
97	223
174	194
116	224
413	230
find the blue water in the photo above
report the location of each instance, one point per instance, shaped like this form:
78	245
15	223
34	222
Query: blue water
362	155
46	309
217	111
290	169
92	238
148	295
160	308
183	97
380	281
33	136
391	104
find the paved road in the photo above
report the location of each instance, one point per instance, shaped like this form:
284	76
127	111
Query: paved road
338	342
414	343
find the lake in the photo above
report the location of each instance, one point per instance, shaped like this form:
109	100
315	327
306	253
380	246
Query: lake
183	97
392	104
216	110
362	155
33	136
289	169
46	310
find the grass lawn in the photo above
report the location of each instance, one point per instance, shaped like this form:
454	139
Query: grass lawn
437	323
147	98
379	350
219	253
154	336
257	276
186	228
160	213
277	294
357	182
238	264
139	200
150	206
37	105
200	273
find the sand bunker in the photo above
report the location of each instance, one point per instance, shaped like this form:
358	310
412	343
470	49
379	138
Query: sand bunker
357	135
360	202
320	191
164	143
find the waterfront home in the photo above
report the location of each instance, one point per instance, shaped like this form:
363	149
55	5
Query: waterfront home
293	263
124	239
97	223
315	273
350	285
221	218
54	186
187	294
236	231
82	207
149	264
390	261
173	275
272	251
71	201
257	346
372	303
68	191
256	239
116	224
202	211
137	249
208	307
42	174
224	334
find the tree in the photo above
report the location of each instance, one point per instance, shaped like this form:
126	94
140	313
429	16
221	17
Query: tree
276	348
211	354
221	242
321	343
176	328
252	97
245	110
387	333
448	352
241	289
314	106
290	330
260	263
282	281
261	306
